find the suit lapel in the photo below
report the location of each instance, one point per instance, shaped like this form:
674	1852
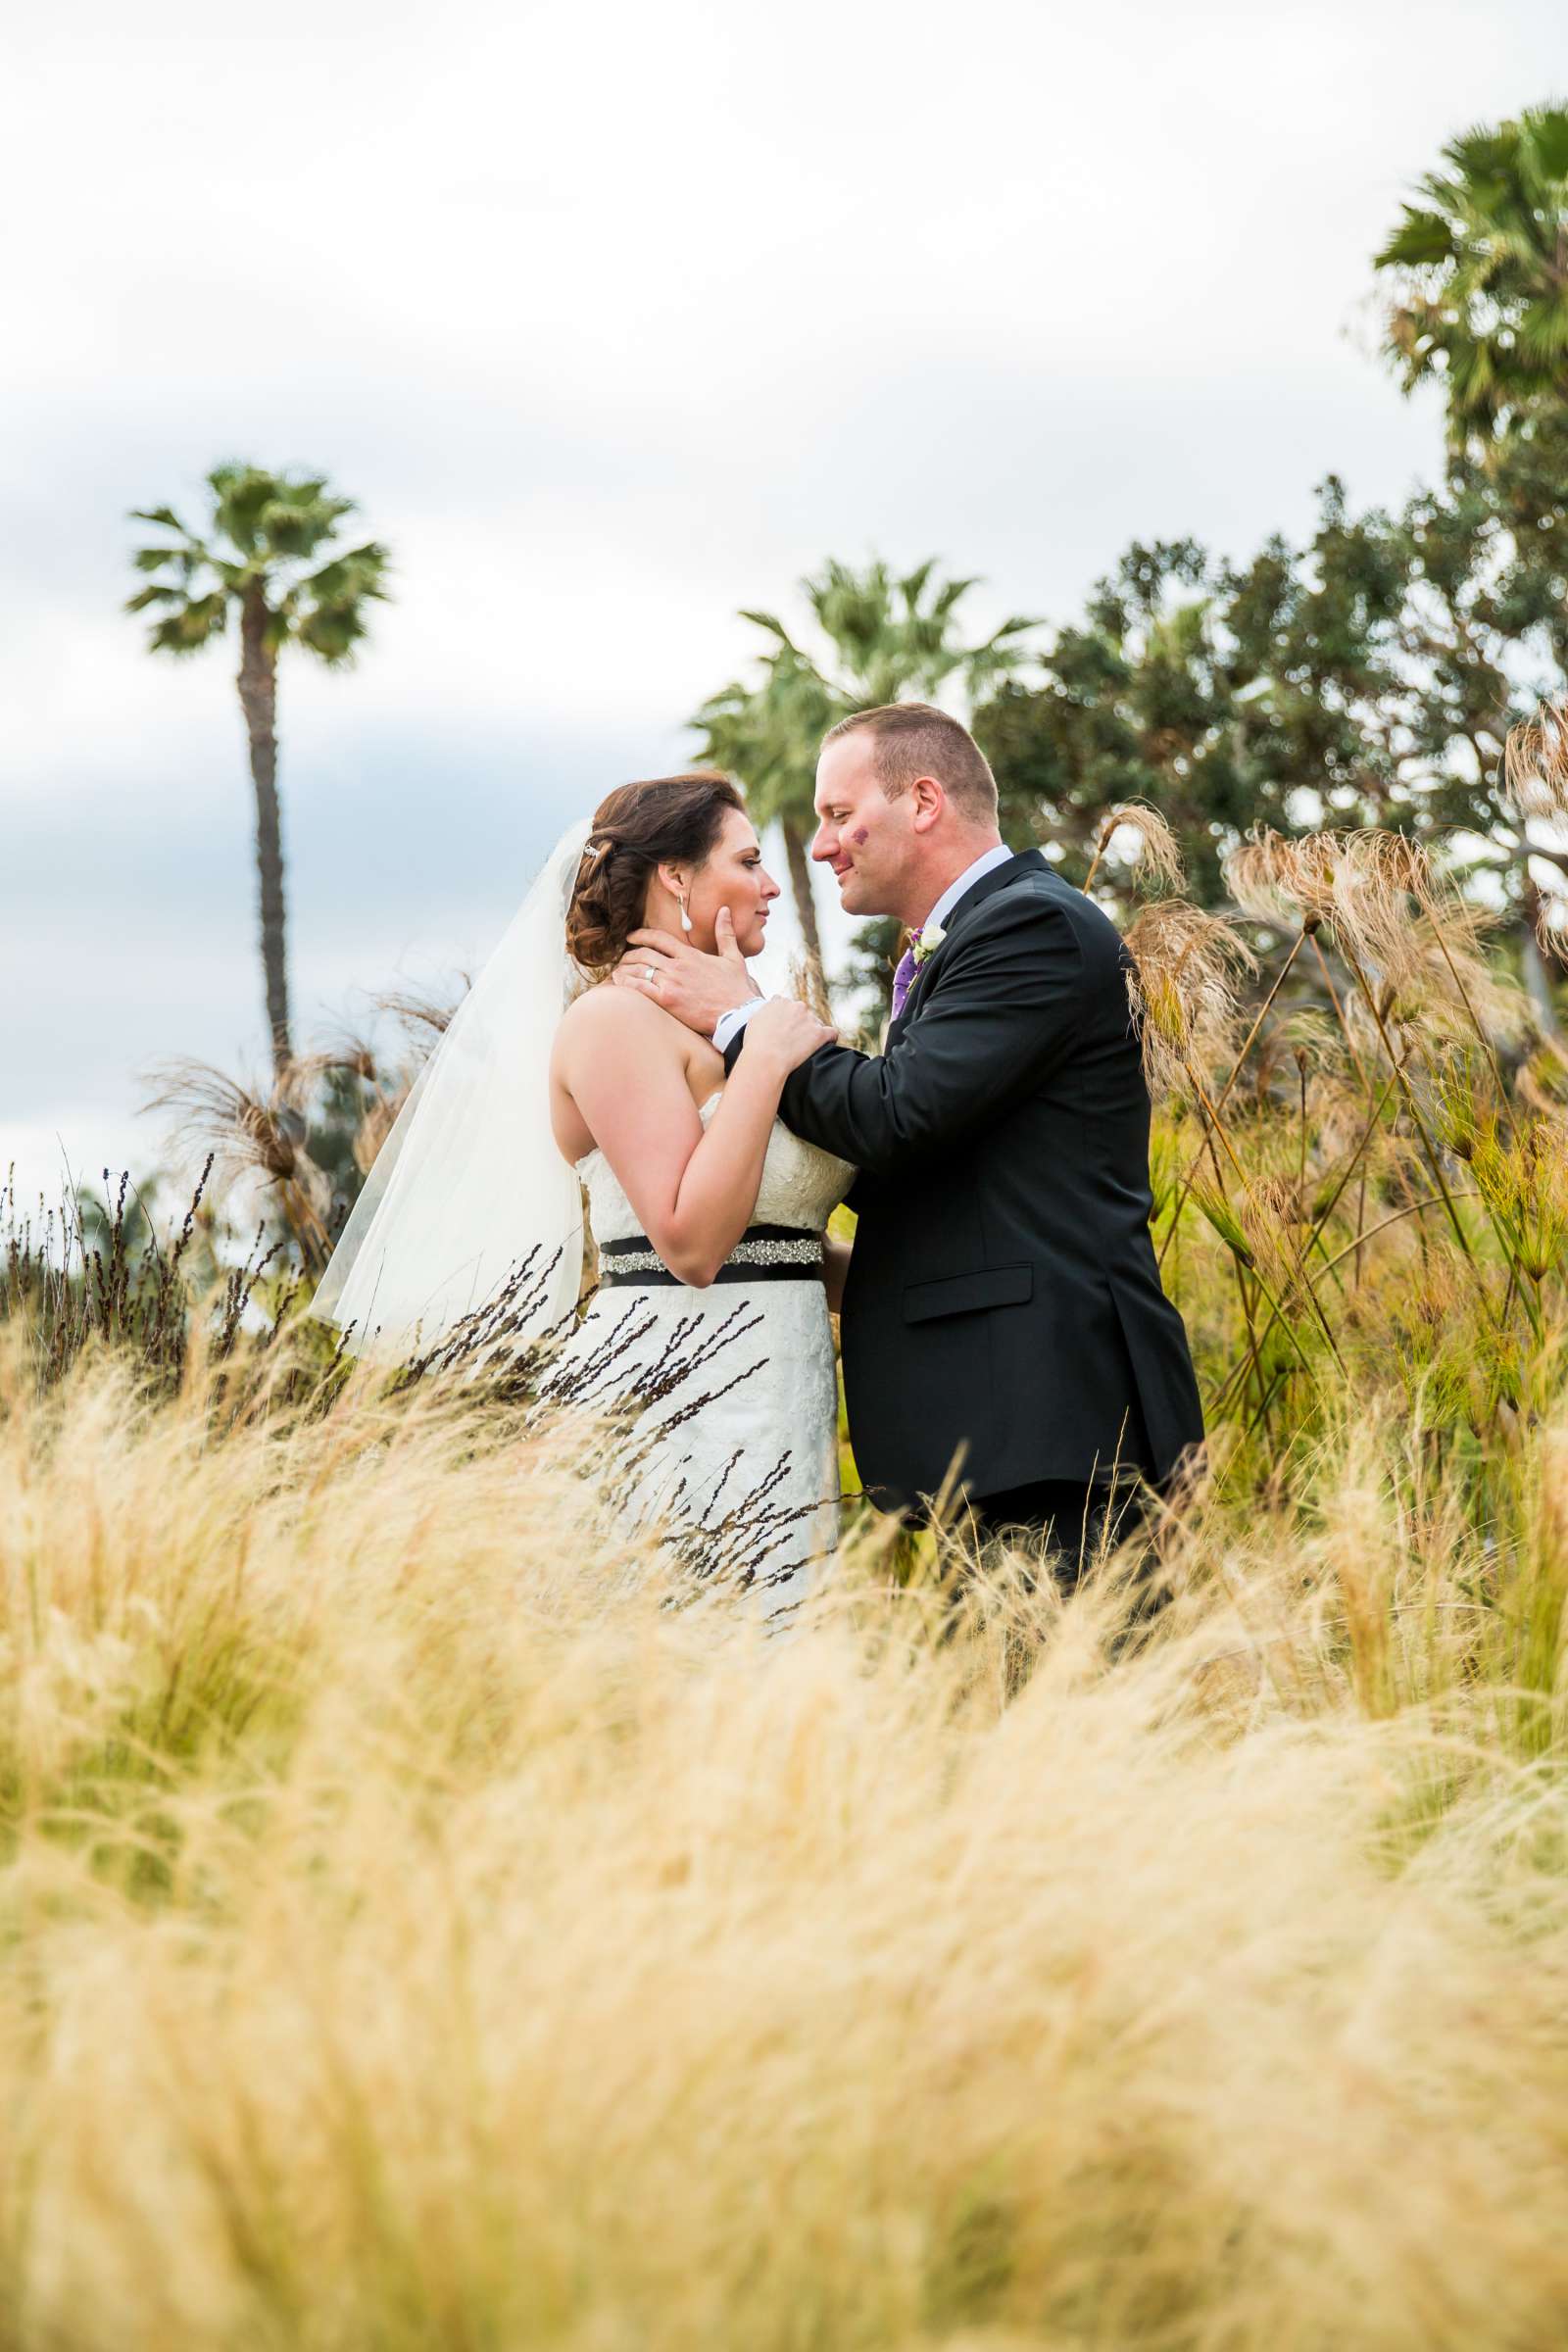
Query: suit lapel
1028	862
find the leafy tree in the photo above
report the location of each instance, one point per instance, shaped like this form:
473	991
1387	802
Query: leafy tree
1367	679
1479	265
258	557
1138	702
883	638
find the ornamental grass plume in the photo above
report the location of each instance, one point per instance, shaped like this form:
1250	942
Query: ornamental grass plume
1264	878
1464	1111
1425	947
347	1052
1441	984
1270	1210
1364	887
251	1133
1551	924
1183	989
424	1014
1534	765
1374	884
1154	855
1304	1039
388	1089
388	1085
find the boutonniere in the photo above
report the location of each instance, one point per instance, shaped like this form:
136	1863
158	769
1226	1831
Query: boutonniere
927	943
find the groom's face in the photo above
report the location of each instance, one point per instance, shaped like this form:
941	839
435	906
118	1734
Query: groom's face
864	836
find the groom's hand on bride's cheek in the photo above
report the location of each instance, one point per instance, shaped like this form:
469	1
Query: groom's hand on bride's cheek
696	988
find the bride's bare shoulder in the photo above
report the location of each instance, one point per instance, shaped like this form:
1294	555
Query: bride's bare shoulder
606	1013
611	1008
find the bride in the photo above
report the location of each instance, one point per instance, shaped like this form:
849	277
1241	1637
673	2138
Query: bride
709	1328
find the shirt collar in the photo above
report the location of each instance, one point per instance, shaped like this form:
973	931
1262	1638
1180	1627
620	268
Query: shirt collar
984	865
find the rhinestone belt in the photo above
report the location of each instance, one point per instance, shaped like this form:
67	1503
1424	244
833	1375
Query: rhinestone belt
764	1253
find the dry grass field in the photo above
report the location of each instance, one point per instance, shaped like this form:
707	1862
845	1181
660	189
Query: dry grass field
429	1919
416	1933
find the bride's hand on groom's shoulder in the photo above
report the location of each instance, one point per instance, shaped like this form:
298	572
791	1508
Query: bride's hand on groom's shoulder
696	988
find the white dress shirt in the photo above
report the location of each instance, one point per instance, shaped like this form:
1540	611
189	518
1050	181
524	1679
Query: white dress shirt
731	1023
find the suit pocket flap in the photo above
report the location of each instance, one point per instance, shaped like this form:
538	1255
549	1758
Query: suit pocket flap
967	1294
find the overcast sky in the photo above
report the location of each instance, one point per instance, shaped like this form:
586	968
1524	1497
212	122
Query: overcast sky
614	319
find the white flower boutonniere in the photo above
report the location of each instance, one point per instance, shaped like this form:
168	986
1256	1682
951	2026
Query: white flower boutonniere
927	943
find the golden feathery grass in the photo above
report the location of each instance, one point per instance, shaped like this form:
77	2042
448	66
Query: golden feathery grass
415	1933
1183	990
421	1930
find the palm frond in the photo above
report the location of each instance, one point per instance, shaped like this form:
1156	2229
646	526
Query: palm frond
332	632
196	623
1423	240
299	518
1547	132
1479	251
774	626
359	572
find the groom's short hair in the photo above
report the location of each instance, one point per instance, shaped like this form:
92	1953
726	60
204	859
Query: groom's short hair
917	739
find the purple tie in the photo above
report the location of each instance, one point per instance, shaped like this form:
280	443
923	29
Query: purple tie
903	981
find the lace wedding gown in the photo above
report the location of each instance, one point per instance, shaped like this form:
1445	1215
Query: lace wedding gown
739	1458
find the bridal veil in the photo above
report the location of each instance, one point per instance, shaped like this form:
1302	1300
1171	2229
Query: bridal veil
470	1182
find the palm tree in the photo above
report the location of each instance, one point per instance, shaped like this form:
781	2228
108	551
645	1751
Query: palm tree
1482	264
264	533
886	638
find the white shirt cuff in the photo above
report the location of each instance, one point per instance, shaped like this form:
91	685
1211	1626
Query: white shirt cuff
729	1025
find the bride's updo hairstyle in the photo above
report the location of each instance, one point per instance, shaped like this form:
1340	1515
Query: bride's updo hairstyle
671	820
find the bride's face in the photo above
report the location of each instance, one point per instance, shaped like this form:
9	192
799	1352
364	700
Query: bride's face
734	876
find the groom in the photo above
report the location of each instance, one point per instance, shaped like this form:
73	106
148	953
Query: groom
1003	1308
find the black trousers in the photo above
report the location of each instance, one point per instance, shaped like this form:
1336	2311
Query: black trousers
1076	1521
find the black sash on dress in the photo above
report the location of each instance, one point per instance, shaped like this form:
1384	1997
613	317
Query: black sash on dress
764	1253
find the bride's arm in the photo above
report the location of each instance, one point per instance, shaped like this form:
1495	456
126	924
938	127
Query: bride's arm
693	1190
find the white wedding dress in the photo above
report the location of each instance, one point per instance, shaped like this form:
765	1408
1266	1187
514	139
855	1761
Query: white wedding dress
740	1457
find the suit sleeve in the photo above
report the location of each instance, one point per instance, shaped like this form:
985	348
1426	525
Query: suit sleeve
1010	995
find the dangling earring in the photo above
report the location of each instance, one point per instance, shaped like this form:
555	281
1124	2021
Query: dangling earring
685	918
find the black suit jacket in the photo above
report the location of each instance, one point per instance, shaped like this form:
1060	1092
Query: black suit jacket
1004	1304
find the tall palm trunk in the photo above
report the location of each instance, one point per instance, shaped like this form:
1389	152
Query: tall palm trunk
799	868
258	697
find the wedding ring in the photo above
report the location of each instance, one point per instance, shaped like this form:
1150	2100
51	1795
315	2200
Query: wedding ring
649	973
